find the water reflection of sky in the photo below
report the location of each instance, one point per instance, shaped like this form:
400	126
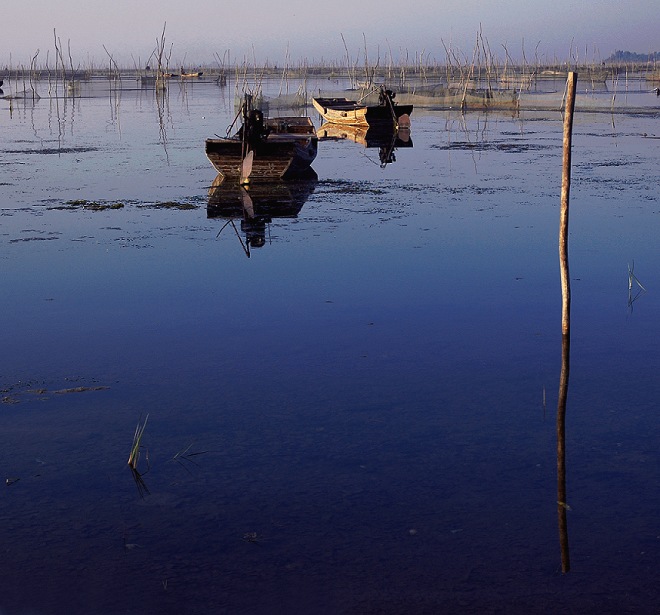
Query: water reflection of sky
374	389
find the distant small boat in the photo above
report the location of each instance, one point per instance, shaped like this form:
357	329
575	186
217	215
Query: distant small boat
190	75
354	113
264	149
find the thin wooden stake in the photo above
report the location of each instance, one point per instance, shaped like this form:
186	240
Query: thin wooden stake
563	214
562	505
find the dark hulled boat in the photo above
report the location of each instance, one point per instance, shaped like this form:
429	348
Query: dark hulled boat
264	149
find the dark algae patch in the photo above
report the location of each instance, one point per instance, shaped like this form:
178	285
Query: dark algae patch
169	205
90	205
349	188
53	150
103	206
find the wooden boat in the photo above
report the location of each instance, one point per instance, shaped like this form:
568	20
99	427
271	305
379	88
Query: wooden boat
264	149
355	113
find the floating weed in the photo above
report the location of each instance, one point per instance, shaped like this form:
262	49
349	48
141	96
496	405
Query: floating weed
90	205
54	150
134	456
169	205
21	239
81	389
103	206
349	187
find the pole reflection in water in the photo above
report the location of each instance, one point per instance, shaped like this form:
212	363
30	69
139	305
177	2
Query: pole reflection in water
562	506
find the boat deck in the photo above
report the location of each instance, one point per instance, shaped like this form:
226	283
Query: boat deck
292	126
340	104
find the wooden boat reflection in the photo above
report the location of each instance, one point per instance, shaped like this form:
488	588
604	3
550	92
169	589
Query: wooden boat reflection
257	205
386	140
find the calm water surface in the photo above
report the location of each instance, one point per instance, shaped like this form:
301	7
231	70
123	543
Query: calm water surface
360	417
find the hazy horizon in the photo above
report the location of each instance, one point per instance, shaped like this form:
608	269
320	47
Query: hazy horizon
259	32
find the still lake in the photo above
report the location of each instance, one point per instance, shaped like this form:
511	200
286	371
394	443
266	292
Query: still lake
358	418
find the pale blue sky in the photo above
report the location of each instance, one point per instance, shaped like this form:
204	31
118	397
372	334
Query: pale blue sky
313	30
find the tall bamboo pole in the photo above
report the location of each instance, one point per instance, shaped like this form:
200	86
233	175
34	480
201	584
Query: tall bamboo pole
563	214
562	506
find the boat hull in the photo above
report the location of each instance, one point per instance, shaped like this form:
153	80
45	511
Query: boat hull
287	151
351	113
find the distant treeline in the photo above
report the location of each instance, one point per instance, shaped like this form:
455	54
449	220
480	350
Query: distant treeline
631	56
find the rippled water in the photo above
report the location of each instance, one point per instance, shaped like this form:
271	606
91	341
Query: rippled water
360	417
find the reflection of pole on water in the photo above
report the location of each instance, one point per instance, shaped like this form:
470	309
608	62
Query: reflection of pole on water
162	104
562	506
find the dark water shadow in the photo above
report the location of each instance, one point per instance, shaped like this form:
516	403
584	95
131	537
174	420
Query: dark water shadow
256	205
